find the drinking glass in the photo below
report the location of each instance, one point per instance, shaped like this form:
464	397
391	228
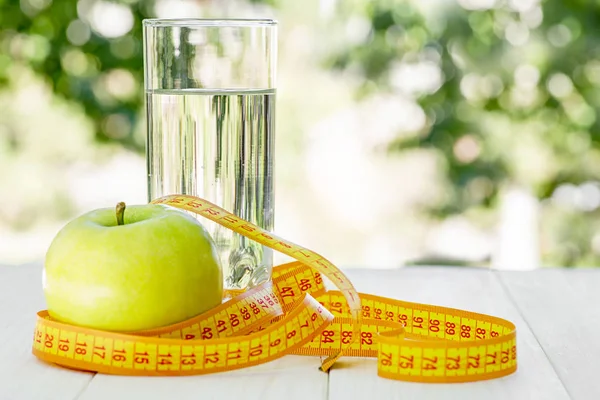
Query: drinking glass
210	103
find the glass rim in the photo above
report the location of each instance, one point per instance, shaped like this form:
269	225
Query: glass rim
208	22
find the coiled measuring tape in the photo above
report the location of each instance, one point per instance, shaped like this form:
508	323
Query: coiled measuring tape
293	314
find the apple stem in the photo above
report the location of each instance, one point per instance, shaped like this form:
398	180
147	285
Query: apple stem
120	213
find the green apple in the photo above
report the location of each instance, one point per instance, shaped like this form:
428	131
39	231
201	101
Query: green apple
132	269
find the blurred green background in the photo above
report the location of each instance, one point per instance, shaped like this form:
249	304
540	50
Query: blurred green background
408	131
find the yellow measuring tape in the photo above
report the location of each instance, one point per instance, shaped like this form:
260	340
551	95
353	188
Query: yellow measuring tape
293	314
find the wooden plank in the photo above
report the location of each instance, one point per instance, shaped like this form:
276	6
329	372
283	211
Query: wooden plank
561	308
290	378
465	288
22	376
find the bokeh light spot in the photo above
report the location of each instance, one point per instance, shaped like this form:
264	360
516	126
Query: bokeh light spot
74	62
32	7
559	35
467	149
522	5
477	4
526	76
517	33
120	84
592	71
116	126
560	85
416	78
78	32
533	17
358	29
111	20
177	9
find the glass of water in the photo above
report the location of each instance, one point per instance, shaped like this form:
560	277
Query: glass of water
210	102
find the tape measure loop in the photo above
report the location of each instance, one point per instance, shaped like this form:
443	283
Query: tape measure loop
293	314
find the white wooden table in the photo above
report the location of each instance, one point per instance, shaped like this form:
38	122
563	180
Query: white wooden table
556	313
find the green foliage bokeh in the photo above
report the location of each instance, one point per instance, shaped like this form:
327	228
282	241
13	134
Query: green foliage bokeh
38	39
516	104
